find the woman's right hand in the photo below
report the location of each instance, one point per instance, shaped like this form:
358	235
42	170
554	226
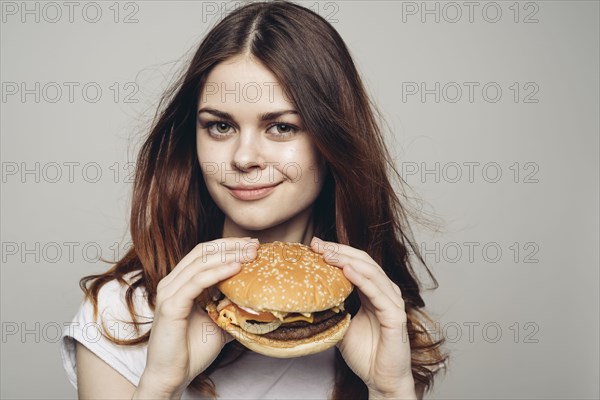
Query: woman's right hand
184	341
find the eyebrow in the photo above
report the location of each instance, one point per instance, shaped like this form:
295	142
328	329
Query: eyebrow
268	116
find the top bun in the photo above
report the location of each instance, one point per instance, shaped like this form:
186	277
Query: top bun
287	277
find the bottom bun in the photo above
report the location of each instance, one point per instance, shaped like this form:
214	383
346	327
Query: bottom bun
283	348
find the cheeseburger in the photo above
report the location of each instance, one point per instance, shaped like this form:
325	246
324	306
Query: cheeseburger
288	302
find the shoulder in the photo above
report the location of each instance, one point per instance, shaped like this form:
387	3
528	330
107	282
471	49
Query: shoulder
112	318
113	313
113	304
114	292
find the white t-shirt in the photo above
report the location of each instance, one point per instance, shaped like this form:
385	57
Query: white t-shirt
252	376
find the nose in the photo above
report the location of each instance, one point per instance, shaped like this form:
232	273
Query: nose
248	153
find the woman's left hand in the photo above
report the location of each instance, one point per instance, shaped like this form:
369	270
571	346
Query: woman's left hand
376	345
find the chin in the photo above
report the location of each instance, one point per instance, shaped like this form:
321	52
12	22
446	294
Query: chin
254	223
265	217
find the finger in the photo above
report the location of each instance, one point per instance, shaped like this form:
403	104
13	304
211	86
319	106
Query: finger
332	249
200	264
385	308
369	268
180	304
374	274
202	250
332	252
218	246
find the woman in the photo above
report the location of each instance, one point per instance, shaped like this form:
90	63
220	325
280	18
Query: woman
269	135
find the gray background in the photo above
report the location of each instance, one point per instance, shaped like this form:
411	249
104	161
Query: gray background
520	309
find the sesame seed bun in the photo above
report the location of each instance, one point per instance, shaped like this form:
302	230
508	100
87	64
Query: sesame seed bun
287	277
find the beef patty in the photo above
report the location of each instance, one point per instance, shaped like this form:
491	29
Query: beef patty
301	329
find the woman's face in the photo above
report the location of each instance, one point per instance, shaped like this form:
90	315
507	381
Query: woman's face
259	164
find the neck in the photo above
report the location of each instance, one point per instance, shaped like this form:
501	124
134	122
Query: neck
298	229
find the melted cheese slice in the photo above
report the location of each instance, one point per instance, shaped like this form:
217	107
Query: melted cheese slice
239	316
299	317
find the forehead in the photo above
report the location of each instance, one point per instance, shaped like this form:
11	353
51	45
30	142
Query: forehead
243	82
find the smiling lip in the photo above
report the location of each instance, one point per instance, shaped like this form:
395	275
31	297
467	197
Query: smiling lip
251	193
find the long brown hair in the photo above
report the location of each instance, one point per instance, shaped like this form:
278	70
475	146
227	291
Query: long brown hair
172	210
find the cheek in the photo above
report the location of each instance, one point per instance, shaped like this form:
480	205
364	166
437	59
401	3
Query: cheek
208	157
301	153
310	163
290	154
